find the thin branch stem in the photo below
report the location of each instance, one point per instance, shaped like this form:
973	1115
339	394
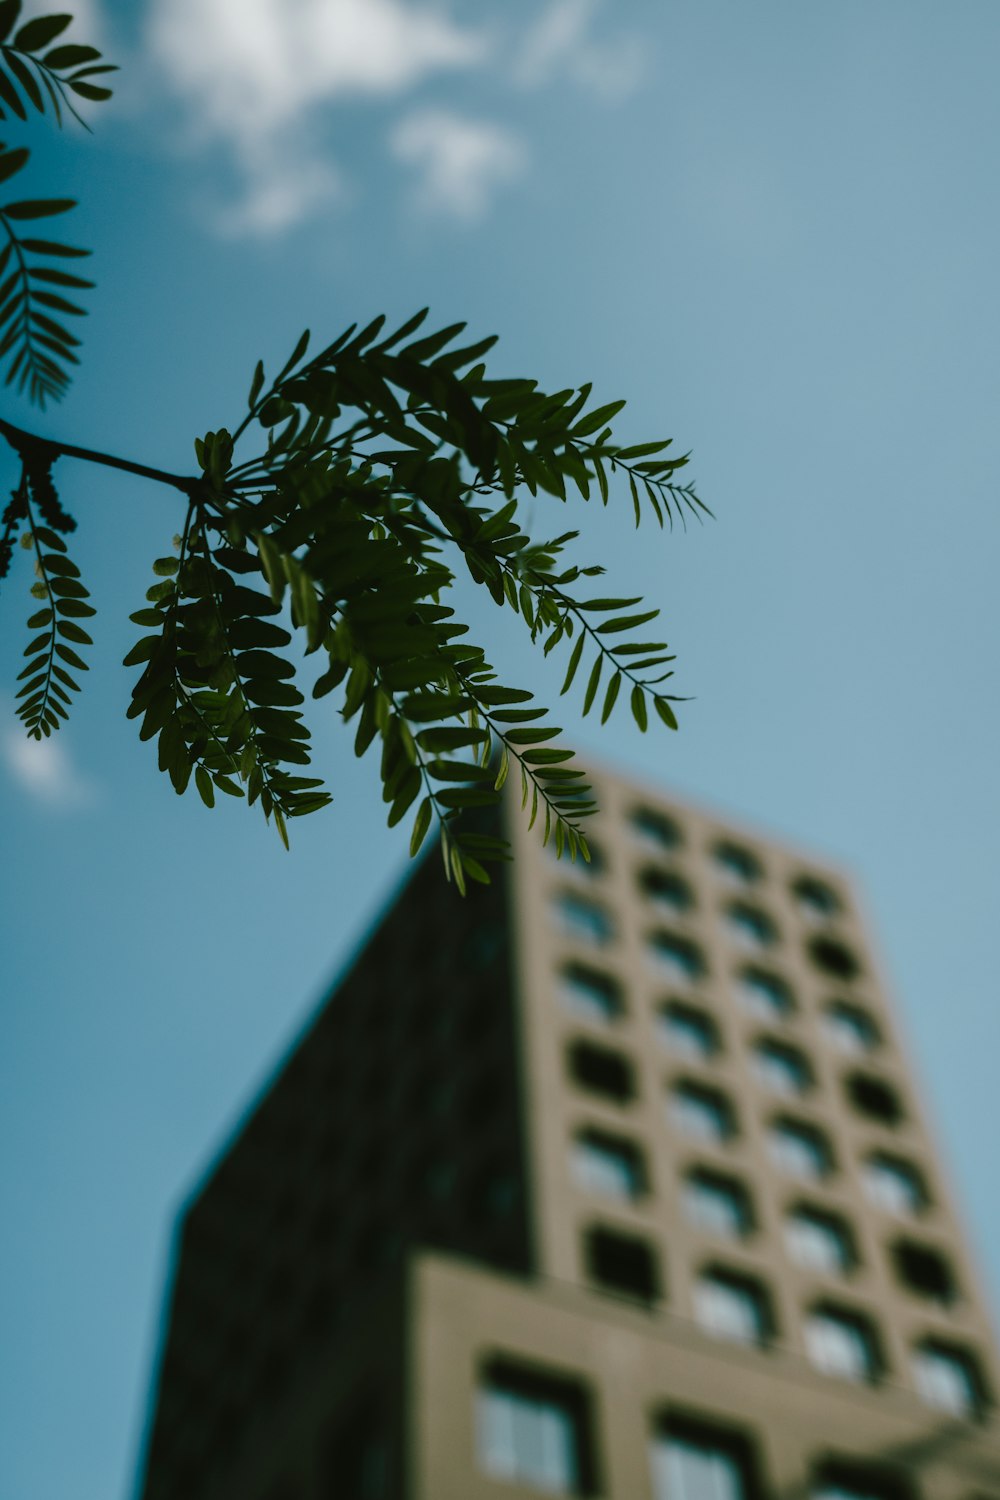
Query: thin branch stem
23	442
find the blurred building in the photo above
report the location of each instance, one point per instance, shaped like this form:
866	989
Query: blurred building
609	1180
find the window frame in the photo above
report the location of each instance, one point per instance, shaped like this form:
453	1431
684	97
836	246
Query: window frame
527	1386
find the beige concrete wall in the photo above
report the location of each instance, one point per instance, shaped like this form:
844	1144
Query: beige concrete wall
637	1368
557	1108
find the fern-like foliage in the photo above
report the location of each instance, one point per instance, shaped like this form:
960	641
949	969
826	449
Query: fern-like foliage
389	464
35	285
384	466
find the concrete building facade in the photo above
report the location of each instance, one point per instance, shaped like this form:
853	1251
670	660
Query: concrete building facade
611	1180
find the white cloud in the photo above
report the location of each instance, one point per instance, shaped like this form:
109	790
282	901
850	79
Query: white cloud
255	72
281	189
461	162
44	769
560	42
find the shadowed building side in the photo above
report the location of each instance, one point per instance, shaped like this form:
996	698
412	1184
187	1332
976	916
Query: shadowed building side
394	1122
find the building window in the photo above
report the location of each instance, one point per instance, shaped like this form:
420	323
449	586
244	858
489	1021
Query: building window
816	900
533	1430
751	927
608	1165
601	1071
656	828
718	1204
851	1481
874	1097
819	1241
666	889
800	1149
622	1264
924	1271
833	957
948	1379
780	1068
894	1185
736	863
687	1031
730	1306
591	994
691	1461
842	1343
851	1028
582	919
702	1112
677	957
765	995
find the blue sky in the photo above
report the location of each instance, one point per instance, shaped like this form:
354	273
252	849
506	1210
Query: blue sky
775	229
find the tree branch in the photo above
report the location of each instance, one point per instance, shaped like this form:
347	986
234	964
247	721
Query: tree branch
27	444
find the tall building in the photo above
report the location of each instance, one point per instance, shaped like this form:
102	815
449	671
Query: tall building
610	1180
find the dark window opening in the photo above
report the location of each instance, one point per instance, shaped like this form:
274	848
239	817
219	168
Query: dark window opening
688	1031
536	1429
609	1164
694	1460
602	1071
718	1203
666	888
834	958
751	926
657	827
620	1263
592	993
851	1027
765	994
682	959
701	1111
732	1306
949	1378
815	897
738	863
924	1271
845	1479
875	1098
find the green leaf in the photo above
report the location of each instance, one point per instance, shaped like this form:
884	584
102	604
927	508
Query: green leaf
11	162
9	12
69	56
73	632
89	91
665	712
37	208
10	97
51	247
605	605
639	707
592	685
73	657
421	823
610	696
203	782
598	418
57	277
626	622
256	384
40	32
574	662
